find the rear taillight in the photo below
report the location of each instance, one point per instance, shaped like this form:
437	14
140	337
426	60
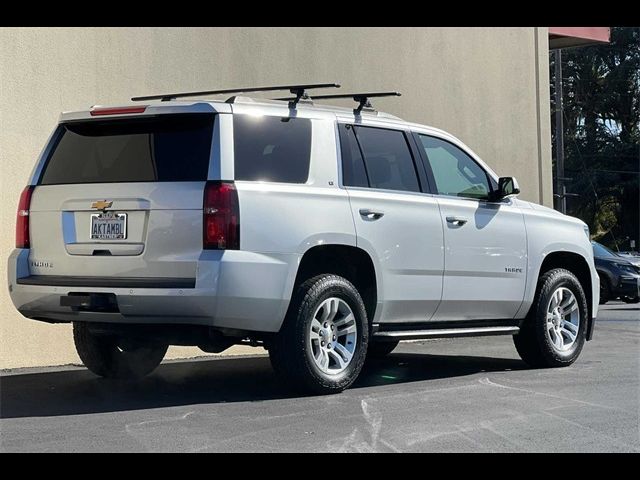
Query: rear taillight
22	222
221	222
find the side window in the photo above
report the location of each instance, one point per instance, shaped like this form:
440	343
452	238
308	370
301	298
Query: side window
388	160
455	173
271	149
353	171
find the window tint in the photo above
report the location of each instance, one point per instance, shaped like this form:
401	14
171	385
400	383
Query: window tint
271	149
455	173
601	251
353	171
164	148
388	160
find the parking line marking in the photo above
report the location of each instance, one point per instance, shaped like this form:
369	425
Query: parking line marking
486	381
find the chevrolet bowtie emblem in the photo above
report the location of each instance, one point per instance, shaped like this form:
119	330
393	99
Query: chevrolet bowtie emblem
101	204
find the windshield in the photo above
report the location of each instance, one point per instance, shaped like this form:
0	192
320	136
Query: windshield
601	251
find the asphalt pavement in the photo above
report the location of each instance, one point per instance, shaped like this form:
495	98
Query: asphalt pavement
471	395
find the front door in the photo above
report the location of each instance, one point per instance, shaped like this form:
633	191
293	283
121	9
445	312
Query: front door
485	242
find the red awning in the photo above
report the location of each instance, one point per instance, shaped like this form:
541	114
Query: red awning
562	37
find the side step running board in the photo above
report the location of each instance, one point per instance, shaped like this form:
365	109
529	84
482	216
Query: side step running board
444	333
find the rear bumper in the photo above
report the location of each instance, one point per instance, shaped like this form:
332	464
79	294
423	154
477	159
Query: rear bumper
107	282
232	289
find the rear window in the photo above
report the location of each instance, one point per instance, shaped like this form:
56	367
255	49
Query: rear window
167	148
353	170
271	149
388	161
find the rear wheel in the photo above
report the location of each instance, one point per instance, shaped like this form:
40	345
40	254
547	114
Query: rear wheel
553	333
323	342
630	299
381	349
112	357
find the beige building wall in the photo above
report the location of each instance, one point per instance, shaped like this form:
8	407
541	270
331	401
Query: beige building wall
488	86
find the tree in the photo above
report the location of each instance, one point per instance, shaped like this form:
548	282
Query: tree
601	100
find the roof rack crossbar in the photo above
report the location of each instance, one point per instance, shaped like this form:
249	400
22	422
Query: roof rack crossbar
298	90
362	98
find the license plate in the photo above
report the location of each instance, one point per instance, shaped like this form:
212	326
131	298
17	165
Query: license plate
108	226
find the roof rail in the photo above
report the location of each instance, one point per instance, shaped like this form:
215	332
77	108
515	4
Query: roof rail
361	98
298	90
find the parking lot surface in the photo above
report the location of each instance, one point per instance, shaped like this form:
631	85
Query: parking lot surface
472	394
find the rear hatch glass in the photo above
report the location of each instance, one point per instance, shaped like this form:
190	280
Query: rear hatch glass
164	148
122	198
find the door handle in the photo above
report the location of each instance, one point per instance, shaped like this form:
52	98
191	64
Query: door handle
370	214
457	221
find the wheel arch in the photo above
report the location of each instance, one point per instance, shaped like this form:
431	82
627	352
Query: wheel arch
579	266
602	272
350	262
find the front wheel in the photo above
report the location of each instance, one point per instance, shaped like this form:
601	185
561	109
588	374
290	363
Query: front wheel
553	333
111	357
323	342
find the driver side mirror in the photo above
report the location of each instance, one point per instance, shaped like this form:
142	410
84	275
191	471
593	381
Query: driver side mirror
507	187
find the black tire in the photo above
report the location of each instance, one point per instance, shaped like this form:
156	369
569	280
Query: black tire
290	350
533	343
105	357
381	349
630	299
605	290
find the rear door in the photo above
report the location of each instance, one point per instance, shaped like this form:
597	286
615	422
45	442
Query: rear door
485	242
395	220
122	198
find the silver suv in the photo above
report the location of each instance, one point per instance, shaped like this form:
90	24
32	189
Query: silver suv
324	234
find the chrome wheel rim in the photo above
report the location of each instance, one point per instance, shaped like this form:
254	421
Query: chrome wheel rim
563	319
333	336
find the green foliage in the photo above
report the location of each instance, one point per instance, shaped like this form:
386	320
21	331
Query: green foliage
601	97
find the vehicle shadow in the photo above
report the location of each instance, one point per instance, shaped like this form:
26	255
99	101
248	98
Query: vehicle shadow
210	381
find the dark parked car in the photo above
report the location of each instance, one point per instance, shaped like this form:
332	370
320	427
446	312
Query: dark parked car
633	257
619	278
